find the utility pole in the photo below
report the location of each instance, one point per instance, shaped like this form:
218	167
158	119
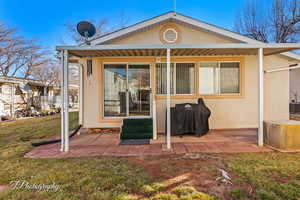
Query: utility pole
174	6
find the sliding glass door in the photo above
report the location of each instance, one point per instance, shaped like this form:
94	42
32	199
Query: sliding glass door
127	90
139	90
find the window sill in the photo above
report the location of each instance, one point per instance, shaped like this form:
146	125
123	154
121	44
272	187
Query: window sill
196	96
111	119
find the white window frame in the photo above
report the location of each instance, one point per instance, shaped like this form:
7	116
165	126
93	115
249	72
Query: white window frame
174	79
219	80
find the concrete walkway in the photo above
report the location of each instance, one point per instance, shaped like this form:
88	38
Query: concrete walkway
233	141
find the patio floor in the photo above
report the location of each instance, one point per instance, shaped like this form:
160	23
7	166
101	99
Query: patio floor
89	144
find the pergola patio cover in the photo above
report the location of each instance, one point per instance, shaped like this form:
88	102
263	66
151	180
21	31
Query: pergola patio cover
259	49
178	50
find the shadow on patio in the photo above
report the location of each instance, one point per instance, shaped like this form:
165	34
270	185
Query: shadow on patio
89	144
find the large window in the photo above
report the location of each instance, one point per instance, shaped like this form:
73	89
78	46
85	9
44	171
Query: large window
219	78
182	78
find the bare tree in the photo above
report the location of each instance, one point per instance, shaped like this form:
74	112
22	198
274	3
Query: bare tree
5	34
123	20
285	19
18	56
33	56
276	22
47	72
11	48
103	26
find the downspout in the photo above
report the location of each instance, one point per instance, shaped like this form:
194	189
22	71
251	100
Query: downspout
81	99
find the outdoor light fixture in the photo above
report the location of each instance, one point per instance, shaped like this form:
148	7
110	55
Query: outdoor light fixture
89	64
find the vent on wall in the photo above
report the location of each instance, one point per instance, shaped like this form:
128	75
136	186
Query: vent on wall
170	35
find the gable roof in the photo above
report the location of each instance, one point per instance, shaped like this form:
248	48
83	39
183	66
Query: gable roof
176	17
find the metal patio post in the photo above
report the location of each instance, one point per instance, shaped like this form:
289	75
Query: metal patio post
65	103
62	102
168	134
260	96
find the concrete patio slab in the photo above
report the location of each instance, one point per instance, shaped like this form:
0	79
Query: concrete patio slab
87	144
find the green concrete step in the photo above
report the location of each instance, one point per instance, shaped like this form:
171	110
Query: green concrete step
137	129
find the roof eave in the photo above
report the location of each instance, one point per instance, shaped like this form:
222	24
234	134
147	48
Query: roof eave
182	46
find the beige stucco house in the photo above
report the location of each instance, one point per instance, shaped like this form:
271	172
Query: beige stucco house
129	75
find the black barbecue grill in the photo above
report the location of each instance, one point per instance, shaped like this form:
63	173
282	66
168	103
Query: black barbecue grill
190	118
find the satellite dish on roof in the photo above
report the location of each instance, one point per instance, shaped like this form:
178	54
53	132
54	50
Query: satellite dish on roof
86	30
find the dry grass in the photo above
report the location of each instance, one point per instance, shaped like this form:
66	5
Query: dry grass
99	178
254	175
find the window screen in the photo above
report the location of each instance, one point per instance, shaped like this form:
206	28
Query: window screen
219	78
182	78
229	77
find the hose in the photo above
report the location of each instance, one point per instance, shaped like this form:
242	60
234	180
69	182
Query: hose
55	141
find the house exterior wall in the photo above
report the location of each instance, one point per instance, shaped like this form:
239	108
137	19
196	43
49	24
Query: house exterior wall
188	35
276	89
92	108
227	111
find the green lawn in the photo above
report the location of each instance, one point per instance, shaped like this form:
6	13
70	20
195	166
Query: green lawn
79	178
255	175
16	137
273	176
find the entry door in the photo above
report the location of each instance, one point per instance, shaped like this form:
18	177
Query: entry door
139	92
127	90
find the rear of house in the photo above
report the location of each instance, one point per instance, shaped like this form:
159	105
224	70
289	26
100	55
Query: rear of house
228	84
124	75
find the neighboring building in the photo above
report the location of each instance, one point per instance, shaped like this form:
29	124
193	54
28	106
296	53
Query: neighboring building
73	96
18	93
223	67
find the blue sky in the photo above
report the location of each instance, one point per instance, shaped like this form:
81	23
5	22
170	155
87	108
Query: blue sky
43	20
